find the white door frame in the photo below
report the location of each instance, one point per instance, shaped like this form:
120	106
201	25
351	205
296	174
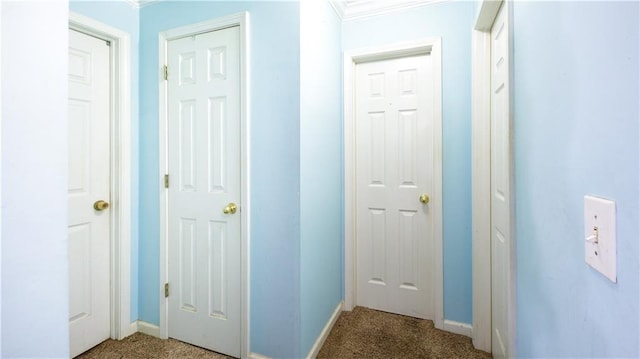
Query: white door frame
481	179
242	20
120	188
430	46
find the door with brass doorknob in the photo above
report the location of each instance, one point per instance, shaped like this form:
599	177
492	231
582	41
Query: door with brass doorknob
204	192
88	192
394	162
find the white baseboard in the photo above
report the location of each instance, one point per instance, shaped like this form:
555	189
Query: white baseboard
313	352
133	328
458	328
148	329
257	356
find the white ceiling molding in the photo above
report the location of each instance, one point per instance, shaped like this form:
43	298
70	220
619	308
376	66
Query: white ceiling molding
140	3
359	9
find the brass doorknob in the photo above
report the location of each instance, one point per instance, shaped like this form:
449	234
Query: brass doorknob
100	205
231	208
424	199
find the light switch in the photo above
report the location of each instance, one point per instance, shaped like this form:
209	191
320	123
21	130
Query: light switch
600	235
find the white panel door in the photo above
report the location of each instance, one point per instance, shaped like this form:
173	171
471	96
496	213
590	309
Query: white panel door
89	181
204	169
500	186
394	167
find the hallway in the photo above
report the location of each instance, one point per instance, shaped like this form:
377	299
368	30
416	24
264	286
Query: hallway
362	333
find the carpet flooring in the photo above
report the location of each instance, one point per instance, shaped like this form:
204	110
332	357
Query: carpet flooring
360	334
142	346
368	333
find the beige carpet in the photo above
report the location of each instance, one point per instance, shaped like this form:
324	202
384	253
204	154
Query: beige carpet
360	334
367	333
142	346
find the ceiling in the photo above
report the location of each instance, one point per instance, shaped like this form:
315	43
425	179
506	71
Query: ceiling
349	9
357	9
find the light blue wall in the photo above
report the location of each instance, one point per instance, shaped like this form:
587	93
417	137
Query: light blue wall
35	277
576	133
124	16
275	164
453	22
320	167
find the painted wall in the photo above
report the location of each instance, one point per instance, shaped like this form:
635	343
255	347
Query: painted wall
35	306
576	133
320	167
452	21
1	176
123	16
275	164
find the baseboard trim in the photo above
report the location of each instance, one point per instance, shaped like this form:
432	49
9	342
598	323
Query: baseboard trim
133	328
257	356
148	329
313	352
458	328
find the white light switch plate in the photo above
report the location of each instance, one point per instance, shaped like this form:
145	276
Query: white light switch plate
600	235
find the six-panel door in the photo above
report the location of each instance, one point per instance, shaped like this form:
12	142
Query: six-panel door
89	176
204	169
394	162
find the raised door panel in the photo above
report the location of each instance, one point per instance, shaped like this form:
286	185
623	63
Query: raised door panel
217	146
217	268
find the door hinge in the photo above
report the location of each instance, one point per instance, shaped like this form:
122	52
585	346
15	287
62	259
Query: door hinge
166	181
165	72
166	290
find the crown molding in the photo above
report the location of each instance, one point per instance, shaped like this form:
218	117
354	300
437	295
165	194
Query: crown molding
140	3
360	9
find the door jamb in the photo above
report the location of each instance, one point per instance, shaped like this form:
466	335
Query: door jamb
242	21
351	59
481	177
120	169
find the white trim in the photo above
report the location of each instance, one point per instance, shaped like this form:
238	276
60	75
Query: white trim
512	211
351	58
315	349
357	10
138	4
148	328
257	356
120	167
1	165
458	328
481	189
481	180
133	327
242	20
487	15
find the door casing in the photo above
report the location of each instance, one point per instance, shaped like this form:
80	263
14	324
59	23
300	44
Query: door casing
430	46
242	20
481	178
120	144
